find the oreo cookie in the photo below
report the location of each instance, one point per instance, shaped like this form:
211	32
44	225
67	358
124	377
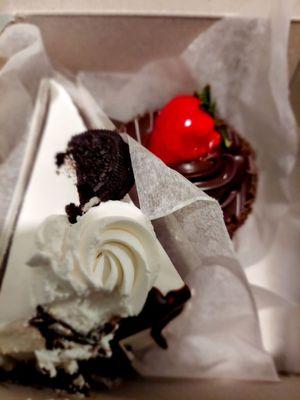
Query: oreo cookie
102	163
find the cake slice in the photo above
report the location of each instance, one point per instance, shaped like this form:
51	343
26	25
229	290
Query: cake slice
86	280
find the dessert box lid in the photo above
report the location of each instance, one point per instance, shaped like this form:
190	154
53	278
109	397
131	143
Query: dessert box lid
192	8
192	17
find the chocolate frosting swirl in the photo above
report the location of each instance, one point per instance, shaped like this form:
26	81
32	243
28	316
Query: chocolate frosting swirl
228	175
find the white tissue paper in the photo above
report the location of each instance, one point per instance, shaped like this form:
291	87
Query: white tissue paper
218	333
245	62
26	63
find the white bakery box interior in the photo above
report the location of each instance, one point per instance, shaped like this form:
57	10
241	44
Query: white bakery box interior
63	72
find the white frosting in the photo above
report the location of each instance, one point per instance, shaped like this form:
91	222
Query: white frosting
110	257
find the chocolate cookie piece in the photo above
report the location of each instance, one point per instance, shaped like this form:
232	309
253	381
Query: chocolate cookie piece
102	163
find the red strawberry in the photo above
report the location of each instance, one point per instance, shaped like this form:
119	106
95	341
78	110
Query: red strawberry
183	131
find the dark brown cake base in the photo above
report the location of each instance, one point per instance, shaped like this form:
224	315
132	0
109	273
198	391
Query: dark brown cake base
100	372
228	175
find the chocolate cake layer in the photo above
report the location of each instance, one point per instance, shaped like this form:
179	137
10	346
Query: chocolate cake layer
101	370
228	175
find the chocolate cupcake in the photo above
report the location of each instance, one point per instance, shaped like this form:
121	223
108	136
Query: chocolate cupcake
188	135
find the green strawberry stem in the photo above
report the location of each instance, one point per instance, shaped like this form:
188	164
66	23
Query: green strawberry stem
223	130
208	105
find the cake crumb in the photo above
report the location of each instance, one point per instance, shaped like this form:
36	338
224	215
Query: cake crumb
94	201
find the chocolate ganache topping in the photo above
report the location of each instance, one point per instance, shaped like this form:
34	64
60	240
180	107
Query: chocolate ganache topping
228	174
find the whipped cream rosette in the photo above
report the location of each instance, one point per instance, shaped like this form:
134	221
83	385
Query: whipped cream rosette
108	249
111	256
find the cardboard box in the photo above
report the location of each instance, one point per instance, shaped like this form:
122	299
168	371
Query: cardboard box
100	43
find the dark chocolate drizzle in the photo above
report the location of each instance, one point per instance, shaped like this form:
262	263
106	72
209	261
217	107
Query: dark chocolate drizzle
229	175
157	312
100	371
